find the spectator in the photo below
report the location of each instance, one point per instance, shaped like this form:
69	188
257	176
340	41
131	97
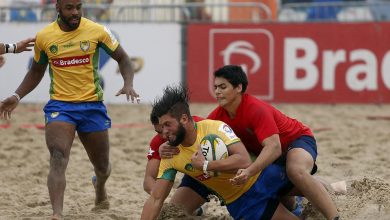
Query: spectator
380	9
23	10
196	12
99	10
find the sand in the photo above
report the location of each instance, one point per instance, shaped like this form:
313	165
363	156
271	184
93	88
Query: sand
353	145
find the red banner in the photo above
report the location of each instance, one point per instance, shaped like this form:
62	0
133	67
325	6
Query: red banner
314	63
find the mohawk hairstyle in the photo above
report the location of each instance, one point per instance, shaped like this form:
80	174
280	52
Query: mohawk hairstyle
174	102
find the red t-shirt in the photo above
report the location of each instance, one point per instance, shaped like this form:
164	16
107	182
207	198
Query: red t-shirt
157	140
257	120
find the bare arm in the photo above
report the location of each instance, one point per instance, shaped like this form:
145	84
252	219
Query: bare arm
151	175
271	151
238	158
127	73
24	45
153	205
30	81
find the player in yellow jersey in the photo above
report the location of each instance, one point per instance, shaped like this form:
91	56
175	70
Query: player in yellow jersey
255	199
70	47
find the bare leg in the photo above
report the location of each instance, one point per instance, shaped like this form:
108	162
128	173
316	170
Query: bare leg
282	213
299	165
181	197
97	146
59	139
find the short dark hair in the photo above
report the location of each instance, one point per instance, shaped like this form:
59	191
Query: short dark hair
174	102
153	118
234	74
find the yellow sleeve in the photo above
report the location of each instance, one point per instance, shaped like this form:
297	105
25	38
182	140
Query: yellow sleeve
166	170
227	134
40	55
108	41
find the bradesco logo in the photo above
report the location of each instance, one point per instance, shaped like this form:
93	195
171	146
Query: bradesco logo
252	49
71	61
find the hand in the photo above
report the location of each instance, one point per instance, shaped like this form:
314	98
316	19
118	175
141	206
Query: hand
197	160
167	151
241	177
129	92
7	106
25	45
2	60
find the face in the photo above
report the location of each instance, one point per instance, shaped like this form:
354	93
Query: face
69	12
172	130
225	92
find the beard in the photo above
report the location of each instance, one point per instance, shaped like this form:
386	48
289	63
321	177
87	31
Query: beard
66	20
180	135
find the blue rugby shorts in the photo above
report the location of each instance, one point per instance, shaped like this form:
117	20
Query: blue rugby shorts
86	116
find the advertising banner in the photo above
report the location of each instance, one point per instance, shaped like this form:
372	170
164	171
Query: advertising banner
295	63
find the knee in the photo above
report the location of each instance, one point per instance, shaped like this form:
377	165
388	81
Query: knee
58	159
296	173
103	169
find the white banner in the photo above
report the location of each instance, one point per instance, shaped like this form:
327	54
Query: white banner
158	45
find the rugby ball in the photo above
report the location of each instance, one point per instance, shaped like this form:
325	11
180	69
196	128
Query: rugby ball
213	148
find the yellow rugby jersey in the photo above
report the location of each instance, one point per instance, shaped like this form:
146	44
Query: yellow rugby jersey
73	59
220	185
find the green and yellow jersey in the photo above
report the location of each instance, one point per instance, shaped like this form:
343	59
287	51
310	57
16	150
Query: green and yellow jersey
73	59
220	185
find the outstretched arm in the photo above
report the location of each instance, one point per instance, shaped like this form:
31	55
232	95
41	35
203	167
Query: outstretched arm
127	73
30	81
24	45
153	205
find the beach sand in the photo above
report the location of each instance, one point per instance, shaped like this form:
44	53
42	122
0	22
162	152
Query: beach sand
353	145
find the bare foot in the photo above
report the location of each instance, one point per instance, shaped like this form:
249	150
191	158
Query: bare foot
55	217
101	200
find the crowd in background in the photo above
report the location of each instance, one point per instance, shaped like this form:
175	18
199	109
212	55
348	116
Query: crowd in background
313	10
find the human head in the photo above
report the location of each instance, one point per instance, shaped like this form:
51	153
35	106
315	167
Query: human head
173	112
69	13
234	75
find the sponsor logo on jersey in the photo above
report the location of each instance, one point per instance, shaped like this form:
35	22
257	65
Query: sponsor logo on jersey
71	61
203	177
54	49
224	128
68	45
54	114
84	45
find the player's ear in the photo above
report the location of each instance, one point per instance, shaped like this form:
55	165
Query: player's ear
184	118
239	88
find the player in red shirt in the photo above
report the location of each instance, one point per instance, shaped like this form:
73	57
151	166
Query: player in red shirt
270	134
189	188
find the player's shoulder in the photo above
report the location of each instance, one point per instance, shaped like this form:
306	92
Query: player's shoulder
87	24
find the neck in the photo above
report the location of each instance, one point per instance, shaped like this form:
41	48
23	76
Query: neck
232	107
63	26
190	138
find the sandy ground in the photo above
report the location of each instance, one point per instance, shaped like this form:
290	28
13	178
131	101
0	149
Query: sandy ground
353	140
